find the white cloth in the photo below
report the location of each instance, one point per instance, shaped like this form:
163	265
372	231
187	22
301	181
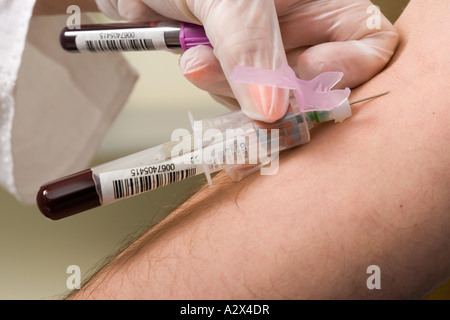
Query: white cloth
55	106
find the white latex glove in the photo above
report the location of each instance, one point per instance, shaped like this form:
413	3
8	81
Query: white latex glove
318	36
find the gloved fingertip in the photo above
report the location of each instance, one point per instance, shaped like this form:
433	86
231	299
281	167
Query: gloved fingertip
309	66
267	103
189	62
109	8
199	65
136	10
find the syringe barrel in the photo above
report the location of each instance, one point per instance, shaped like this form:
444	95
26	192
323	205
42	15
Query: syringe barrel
228	142
260	142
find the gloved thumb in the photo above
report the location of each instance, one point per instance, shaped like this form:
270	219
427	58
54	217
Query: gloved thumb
246	33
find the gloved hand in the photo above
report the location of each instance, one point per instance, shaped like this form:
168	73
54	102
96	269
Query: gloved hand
318	36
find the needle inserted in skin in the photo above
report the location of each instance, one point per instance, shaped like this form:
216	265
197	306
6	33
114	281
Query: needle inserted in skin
370	98
160	166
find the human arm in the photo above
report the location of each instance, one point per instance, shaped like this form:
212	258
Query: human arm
372	191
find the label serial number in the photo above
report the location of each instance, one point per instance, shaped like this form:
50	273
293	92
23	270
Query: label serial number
117	35
145	171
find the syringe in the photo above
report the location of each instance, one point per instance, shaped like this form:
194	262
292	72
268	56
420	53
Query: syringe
232	142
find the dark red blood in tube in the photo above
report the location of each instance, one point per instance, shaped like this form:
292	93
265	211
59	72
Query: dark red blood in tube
68	196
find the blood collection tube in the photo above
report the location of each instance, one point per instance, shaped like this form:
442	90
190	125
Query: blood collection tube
250	145
142	36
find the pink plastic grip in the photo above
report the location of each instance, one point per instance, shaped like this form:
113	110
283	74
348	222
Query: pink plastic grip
313	95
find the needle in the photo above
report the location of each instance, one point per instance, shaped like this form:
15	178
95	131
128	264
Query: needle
370	98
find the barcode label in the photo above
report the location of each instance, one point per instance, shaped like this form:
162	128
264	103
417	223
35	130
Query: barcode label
123	184
140	39
125	188
120	45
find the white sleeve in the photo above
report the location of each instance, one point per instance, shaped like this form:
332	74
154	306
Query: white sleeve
55	106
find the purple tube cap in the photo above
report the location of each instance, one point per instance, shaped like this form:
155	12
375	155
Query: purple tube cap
192	35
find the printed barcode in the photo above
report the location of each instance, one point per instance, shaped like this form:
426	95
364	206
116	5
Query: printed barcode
120	45
130	187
